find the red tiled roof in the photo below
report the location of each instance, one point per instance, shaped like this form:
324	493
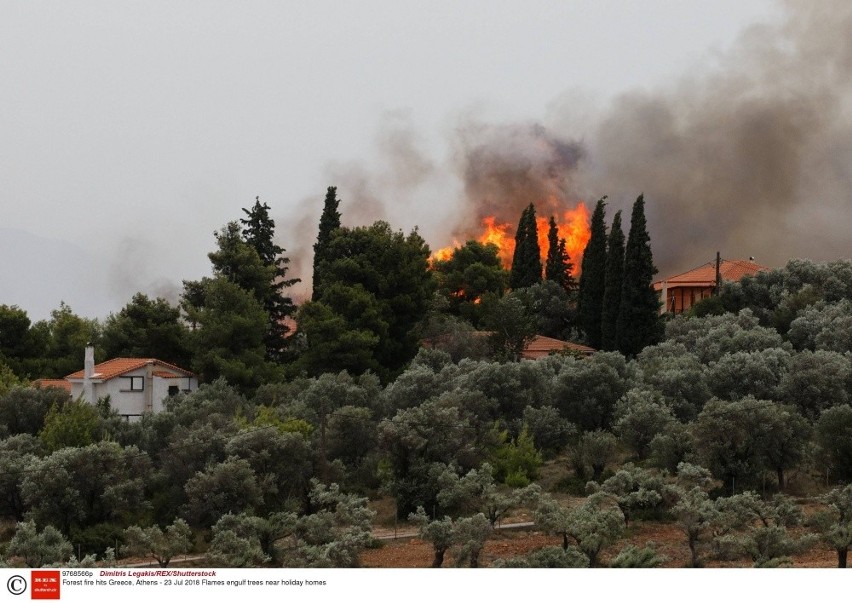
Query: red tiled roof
542	346
118	366
166	374
705	275
57	383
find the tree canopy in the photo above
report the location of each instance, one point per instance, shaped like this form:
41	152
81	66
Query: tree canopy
146	328
593	279
526	262
611	303
378	285
472	270
329	222
638	323
258	233
558	266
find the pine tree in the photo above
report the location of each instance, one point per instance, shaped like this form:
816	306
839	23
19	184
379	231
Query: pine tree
638	322
592	278
329	222
612	284
258	232
558	267
526	262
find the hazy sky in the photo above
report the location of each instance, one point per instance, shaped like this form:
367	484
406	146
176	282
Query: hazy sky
133	130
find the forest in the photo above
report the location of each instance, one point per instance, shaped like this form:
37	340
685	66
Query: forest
401	382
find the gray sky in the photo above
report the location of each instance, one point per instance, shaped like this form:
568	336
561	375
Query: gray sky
133	130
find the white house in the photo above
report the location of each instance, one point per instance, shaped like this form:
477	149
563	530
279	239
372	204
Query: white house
134	385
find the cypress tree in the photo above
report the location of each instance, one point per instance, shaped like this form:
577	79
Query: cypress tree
639	323
526	262
592	279
258	233
612	284
558	266
329	222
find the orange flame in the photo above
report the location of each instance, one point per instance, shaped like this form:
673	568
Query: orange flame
572	225
498	235
444	254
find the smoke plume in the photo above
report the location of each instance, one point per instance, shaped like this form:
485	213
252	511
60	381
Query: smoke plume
751	156
748	158
505	168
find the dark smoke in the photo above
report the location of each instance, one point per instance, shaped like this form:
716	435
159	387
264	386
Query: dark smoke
505	168
405	188
751	156
133	268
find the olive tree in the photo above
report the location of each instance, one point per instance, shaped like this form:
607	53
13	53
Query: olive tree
694	512
834	524
591	527
39	548
759	528
161	545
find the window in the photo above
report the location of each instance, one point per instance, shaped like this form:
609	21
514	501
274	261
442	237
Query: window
133	384
173	390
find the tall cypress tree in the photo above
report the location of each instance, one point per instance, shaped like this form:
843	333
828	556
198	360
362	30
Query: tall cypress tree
639	323
258	233
329	222
526	262
592	278
558	266
612	284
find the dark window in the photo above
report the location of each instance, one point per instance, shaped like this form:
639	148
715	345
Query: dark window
133	384
173	390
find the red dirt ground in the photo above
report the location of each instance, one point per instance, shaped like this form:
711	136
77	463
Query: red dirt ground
669	541
410	552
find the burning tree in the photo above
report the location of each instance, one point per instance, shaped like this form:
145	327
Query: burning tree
558	267
470	272
526	261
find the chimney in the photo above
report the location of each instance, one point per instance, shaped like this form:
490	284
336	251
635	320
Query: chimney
89	362
88	373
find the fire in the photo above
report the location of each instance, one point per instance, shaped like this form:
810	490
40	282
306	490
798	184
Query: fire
572	225
498	235
444	254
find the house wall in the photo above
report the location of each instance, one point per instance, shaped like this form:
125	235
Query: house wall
681	299
132	404
124	401
161	389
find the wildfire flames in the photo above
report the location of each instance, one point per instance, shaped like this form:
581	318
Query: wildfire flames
572	225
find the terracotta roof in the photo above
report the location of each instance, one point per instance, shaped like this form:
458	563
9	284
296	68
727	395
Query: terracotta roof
705	275
57	383
118	366
166	374
542	346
